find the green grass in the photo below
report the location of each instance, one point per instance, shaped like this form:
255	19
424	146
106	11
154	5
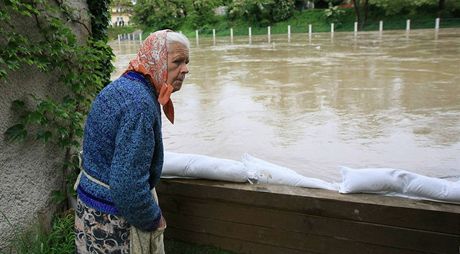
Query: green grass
300	20
37	240
61	240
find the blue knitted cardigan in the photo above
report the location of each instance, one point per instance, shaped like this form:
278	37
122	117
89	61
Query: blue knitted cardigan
122	147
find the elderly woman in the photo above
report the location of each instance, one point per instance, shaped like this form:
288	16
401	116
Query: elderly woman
123	149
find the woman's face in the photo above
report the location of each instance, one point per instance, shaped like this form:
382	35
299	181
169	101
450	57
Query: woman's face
177	65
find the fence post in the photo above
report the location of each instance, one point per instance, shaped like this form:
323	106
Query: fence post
214	36
289	33
250	34
269	34
380	26
408	25
356	28
197	38
436	26
231	35
332	29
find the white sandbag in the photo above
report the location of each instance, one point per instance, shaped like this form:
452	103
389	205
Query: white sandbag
201	166
371	180
261	171
398	182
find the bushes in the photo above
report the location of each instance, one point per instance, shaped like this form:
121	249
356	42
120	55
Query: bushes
158	14
261	12
61	239
199	14
161	14
334	14
189	15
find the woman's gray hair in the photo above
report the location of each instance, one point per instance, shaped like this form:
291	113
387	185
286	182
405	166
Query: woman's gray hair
175	37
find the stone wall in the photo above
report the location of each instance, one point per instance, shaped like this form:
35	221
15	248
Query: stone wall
30	171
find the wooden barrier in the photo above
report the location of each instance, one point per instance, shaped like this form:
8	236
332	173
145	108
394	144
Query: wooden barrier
246	218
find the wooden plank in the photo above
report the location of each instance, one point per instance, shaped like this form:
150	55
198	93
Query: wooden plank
293	222
242	235
234	245
391	211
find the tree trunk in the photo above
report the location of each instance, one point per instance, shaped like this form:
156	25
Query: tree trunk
357	12
442	4
366	13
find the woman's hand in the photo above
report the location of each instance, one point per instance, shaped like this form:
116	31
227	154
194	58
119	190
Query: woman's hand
162	224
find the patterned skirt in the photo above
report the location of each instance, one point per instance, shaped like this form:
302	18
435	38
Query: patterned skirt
98	232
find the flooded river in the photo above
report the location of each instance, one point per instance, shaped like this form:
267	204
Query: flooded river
375	100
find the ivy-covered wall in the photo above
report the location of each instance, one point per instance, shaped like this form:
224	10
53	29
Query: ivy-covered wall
53	60
29	171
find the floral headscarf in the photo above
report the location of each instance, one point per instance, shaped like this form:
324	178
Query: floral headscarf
152	61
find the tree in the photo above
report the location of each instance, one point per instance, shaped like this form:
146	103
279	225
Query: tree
361	12
201	12
282	10
392	7
261	12
334	14
441	5
159	14
120	3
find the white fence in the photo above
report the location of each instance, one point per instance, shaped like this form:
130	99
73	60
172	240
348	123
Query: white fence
138	36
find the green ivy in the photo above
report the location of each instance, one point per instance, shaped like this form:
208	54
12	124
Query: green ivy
82	71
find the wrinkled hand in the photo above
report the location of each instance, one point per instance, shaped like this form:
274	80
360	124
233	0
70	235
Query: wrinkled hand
162	224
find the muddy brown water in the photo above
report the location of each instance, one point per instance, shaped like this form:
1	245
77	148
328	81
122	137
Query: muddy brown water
374	100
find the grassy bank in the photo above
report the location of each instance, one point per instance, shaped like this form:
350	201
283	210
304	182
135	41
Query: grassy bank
300	20
37	240
61	240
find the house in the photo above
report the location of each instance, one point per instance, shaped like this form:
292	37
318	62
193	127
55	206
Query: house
121	12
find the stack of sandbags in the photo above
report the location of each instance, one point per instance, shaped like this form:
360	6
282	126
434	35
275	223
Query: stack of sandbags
398	182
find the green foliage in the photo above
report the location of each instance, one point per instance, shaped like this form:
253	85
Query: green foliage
124	3
334	14
81	70
197	14
453	8
333	2
58	197
60	240
282	10
392	7
159	14
200	13
261	12
100	17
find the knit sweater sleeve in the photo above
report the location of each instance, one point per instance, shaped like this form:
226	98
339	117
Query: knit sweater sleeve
129	178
